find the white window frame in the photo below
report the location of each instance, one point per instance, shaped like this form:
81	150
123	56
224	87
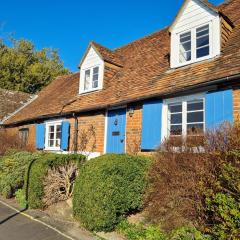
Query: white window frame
91	89
47	124
183	100
194	58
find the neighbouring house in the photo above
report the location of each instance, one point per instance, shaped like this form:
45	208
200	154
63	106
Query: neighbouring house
178	81
10	103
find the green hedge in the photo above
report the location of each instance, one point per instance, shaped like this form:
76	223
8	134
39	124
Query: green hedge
108	188
12	171
37	171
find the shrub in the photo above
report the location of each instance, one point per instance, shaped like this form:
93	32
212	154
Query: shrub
108	188
38	170
20	195
12	171
140	232
198	183
188	233
174	195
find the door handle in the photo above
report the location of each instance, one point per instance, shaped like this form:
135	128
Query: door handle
122	140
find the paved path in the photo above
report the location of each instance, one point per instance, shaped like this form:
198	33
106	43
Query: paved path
15	226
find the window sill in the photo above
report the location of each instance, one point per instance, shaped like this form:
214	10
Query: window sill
52	149
89	91
193	62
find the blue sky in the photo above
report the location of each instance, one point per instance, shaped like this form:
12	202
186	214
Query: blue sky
69	25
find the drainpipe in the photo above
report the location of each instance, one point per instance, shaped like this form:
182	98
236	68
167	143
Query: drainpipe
75	140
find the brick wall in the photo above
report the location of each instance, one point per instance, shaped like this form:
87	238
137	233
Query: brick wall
91	127
32	134
133	129
236	104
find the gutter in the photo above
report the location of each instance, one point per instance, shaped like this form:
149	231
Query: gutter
210	85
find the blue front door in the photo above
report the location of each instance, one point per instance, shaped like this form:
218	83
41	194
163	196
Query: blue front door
116	131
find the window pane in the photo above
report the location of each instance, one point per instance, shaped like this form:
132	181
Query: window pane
176	118
95	70
176	129
58	128
87	80
57	143
202	52
51	135
195	117
203	41
95	84
185	47
175	108
201	31
185	37
95	77
51	128
51	143
58	135
191	106
194	129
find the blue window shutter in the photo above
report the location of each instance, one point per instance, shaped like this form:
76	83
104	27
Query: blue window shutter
151	124
65	135
40	136
219	108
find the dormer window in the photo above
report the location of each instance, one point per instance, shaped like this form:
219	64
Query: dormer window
91	73
195	37
194	44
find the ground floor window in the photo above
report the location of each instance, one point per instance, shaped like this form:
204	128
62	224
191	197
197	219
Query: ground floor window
185	116
53	135
23	135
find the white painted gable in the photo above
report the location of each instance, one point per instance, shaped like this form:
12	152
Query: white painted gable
194	13
90	60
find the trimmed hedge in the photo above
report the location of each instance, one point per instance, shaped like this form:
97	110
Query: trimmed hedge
38	170
108	188
12	171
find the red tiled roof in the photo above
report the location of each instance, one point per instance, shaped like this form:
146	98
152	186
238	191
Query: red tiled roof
145	72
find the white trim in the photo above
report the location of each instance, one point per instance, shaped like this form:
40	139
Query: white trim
47	124
105	131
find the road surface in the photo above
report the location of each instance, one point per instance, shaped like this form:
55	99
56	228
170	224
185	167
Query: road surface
15	226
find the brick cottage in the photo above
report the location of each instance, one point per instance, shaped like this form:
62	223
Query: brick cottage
175	82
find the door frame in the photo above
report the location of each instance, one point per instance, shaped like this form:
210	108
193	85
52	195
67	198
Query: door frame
106	127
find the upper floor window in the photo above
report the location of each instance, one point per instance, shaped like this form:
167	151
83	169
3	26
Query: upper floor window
91	78
194	45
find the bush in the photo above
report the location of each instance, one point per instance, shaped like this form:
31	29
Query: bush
12	171
20	195
189	185
108	188
39	170
153	232
139	231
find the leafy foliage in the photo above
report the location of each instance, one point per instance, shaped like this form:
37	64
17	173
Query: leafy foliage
38	169
23	68
153	232
20	195
108	188
12	171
